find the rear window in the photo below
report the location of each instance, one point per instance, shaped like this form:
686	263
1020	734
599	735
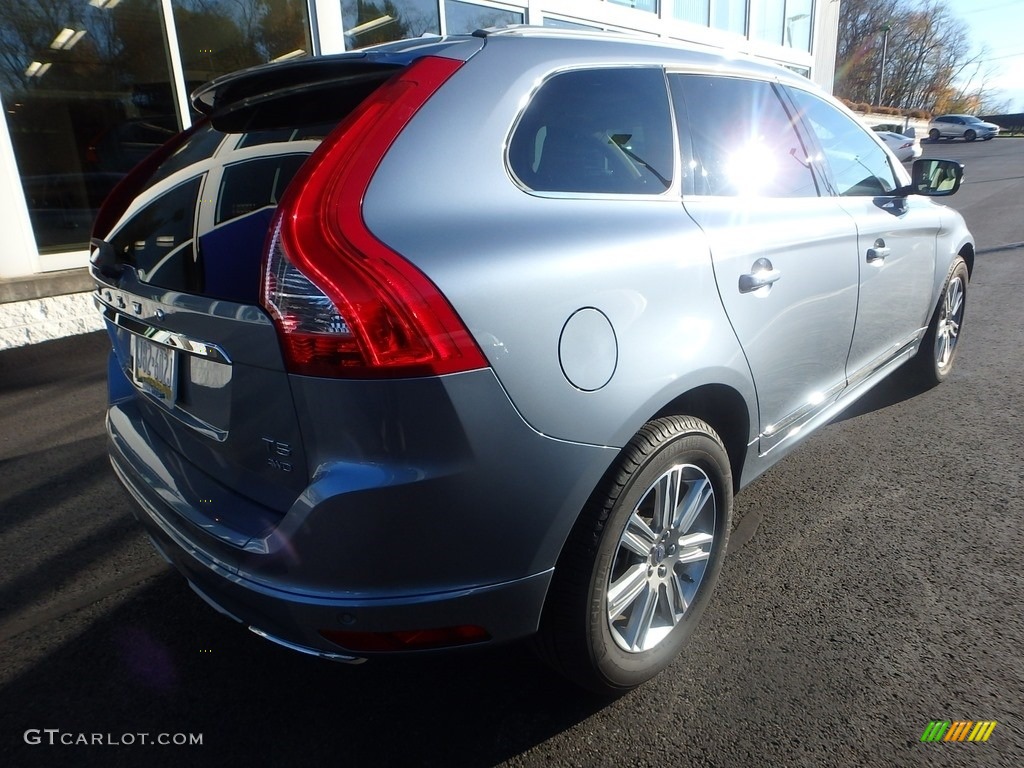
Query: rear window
596	131
206	210
210	206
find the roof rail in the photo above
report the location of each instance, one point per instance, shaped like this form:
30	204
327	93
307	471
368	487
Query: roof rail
535	30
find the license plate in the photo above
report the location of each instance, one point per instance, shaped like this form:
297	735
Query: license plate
155	369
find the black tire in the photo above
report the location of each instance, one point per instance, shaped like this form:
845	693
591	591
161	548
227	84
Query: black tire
578	635
934	134
970	136
934	360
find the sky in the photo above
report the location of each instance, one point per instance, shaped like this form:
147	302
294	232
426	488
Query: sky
999	26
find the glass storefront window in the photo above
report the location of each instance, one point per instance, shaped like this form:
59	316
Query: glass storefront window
767	21
87	93
798	24
695	11
730	15
463	18
369	22
219	36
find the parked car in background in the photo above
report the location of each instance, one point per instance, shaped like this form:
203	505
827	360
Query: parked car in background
967	127
463	340
904	147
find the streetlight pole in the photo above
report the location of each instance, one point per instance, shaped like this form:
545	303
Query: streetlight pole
886	27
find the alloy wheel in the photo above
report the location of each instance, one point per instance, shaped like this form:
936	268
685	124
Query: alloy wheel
951	316
661	558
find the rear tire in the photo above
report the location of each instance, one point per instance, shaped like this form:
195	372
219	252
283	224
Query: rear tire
933	134
934	361
641	562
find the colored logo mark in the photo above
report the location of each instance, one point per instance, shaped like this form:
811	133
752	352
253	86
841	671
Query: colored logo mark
958	730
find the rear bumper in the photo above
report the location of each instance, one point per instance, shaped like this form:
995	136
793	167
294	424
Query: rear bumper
470	540
508	611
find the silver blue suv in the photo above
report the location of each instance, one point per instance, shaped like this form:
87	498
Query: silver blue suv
465	340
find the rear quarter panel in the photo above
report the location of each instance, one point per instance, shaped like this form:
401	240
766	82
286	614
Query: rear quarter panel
517	265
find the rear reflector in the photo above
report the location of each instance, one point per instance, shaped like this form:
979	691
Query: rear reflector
410	640
344	303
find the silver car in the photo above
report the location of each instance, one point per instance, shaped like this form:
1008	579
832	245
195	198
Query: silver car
966	127
463	340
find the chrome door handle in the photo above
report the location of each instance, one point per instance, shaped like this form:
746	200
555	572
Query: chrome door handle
879	252
762	274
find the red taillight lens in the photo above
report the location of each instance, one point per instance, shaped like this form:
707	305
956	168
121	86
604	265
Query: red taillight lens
409	640
344	303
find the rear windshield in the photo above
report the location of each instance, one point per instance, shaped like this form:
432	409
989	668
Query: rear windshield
200	224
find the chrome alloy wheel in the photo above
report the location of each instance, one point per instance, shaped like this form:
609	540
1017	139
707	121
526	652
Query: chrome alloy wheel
950	317
661	558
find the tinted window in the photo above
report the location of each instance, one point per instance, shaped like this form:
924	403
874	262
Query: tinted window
201	145
159	240
254	184
742	138
302	133
604	130
859	166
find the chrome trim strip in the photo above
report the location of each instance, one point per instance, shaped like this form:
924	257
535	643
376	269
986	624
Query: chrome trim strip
893	352
171	339
803	413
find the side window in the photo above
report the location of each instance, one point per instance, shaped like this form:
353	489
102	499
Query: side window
859	166
742	138
597	130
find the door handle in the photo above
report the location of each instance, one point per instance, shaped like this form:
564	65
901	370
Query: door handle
762	275
878	252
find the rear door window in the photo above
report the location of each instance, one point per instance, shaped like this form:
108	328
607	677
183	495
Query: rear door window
596	131
741	140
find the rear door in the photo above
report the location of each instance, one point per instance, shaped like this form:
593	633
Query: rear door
783	258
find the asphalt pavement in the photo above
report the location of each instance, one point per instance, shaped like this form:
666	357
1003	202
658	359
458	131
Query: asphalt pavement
873	585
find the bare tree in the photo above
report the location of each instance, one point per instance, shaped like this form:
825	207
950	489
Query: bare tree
929	53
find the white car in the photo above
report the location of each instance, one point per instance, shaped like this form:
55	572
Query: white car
904	147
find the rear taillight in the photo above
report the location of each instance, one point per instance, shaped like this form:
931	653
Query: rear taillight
344	303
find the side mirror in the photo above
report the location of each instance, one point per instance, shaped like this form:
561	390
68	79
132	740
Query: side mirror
936	178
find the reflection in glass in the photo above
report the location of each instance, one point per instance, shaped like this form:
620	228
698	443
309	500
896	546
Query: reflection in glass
220	36
463	18
798	25
369	22
742	138
86	90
